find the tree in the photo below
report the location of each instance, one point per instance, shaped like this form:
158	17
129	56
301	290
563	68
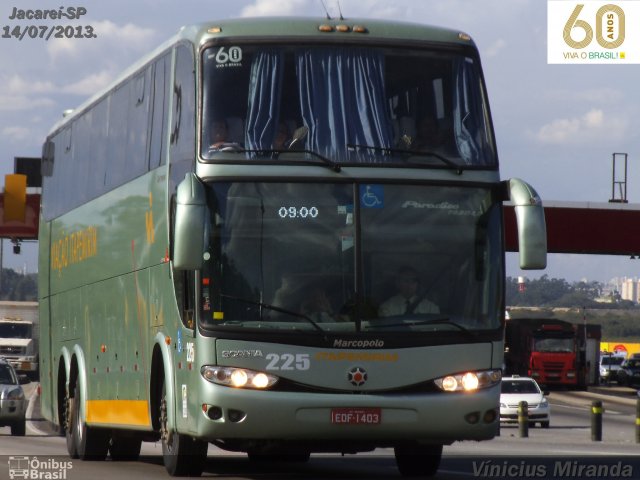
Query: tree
553	292
18	287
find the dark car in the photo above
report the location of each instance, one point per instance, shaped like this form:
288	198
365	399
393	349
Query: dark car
629	373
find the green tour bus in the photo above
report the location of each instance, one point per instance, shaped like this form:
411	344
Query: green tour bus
280	236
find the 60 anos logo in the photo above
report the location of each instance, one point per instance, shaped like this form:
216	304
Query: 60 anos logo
609	24
230	55
593	32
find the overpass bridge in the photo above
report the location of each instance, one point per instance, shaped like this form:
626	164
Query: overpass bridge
606	228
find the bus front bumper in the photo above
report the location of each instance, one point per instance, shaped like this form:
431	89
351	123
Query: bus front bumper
431	417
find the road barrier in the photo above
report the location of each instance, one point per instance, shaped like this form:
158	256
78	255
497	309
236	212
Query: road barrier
638	420
523	419
596	420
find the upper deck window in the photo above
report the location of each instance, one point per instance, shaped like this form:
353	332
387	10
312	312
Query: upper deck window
352	105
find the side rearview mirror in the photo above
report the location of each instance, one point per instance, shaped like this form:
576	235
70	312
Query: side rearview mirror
532	230
189	227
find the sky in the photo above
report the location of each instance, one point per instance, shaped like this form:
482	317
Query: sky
556	126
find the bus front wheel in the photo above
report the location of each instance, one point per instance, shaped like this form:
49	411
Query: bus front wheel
183	456
416	460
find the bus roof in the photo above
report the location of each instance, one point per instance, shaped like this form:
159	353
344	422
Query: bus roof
305	27
288	29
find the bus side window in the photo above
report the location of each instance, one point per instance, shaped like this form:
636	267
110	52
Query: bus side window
159	113
128	130
182	131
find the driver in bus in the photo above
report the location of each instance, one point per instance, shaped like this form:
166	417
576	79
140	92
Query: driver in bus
408	300
317	306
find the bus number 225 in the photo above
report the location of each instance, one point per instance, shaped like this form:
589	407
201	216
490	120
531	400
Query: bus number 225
288	361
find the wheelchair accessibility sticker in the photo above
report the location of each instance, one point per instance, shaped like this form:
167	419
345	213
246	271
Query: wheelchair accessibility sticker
372	196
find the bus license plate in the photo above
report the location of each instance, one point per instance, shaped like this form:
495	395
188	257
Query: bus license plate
356	416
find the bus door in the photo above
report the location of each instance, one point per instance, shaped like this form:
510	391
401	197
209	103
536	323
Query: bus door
186	372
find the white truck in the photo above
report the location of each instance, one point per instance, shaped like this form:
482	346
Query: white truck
19	335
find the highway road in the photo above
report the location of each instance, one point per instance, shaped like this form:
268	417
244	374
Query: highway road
557	452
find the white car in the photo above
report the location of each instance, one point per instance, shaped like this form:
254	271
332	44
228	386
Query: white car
13	404
518	389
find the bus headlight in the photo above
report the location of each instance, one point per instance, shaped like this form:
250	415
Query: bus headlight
469	381
238	377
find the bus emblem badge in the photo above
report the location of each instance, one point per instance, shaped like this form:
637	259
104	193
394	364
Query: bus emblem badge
357	376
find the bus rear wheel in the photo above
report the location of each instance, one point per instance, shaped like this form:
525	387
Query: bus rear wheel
183	456
68	415
416	460
90	443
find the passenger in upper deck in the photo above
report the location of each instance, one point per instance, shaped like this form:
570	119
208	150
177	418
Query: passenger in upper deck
282	138
429	137
219	136
219	132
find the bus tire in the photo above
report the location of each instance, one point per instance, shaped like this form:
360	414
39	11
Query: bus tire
124	448
91	443
416	460
19	428
68	416
183	456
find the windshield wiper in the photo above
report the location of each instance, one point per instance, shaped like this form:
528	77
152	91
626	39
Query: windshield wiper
432	321
298	137
270	151
425	153
325	161
334	166
276	309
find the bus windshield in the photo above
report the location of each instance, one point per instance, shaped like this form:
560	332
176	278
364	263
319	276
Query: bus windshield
351	257
349	104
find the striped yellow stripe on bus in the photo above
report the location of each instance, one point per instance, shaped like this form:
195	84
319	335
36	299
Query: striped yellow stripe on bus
120	412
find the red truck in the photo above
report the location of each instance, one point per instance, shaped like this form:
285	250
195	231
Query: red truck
553	352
